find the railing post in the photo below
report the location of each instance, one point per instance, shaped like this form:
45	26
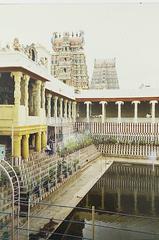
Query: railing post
93	220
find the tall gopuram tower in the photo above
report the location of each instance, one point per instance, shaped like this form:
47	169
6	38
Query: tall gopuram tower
68	59
105	74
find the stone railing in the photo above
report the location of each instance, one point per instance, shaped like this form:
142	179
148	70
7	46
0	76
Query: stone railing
130	150
118	128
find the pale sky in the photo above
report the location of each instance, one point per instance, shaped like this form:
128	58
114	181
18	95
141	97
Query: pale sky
128	32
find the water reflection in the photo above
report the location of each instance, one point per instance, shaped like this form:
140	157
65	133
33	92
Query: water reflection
123	190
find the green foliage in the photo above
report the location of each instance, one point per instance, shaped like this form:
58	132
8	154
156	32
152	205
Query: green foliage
75	144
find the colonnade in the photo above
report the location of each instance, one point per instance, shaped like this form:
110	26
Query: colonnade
21	144
120	103
61	108
21	94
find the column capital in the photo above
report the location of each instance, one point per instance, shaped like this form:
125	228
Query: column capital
26	136
103	102
17	137
135	102
48	95
55	97
88	102
43	84
38	83
61	99
26	77
153	102
65	100
119	102
17	75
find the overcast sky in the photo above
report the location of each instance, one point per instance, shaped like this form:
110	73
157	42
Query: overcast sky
128	32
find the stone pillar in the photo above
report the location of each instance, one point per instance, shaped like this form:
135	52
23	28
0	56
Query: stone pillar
38	97
55	106
43	140
74	111
153	102
61	107
135	109
119	109
65	108
48	96
17	90
17	93
87	110
25	146
26	78
103	110
43	95
17	146
69	110
38	141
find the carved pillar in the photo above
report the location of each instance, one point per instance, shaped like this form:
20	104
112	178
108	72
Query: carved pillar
103	110
38	141
17	91
38	97
87	110
17	146
135	109
48	96
119	109
61	107
43	140
55	106
65	108
153	102
25	146
43	95
26	89
17	94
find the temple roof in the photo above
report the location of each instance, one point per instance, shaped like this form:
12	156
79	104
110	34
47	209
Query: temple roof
17	61
118	94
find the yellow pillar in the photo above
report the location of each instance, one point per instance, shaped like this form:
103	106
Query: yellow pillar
25	147
43	140
17	146
38	142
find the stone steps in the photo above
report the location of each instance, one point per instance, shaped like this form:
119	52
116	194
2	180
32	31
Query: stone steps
31	174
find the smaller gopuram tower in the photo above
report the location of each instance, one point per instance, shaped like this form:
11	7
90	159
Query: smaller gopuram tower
105	74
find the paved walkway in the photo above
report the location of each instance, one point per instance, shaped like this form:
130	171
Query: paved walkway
68	195
132	160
